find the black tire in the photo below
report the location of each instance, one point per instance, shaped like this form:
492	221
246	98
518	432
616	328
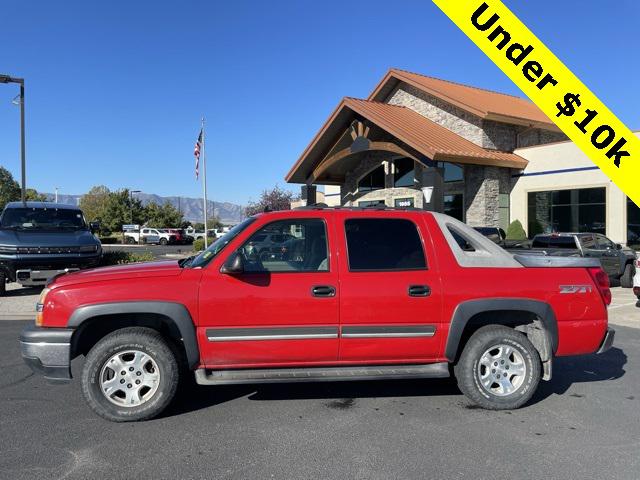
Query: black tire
130	240
3	284
144	340
469	369
626	280
163	241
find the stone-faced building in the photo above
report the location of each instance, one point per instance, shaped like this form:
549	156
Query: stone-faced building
428	143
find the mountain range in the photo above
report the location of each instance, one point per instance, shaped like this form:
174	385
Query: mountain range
191	208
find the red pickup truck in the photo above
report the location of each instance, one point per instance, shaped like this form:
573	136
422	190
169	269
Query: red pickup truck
353	294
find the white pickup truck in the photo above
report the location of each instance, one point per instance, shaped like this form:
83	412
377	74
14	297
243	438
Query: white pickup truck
149	236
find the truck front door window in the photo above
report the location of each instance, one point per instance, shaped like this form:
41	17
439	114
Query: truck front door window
287	246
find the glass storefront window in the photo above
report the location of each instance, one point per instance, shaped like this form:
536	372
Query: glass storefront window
374	180
454	206
633	225
579	210
452	172
404	172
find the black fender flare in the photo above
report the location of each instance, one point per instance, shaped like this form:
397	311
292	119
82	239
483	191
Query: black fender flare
176	312
466	310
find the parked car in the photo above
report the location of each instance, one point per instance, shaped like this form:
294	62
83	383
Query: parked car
150	236
358	303
197	235
180	237
617	261
40	240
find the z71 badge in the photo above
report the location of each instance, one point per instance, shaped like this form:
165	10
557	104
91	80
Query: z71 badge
576	289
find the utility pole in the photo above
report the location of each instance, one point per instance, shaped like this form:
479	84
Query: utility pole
20	81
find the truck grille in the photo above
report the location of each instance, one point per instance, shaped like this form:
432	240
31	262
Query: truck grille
47	250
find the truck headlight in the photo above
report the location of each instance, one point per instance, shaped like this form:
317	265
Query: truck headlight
40	307
88	248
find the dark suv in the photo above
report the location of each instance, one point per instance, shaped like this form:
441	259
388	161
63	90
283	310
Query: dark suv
39	240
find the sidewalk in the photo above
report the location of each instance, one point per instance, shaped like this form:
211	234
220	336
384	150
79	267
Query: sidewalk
19	303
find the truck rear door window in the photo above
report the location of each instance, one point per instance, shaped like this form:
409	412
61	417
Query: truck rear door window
379	244
554	242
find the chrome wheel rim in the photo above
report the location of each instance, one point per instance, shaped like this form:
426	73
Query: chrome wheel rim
502	370
129	378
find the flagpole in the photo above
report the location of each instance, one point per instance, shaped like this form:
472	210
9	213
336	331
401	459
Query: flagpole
204	187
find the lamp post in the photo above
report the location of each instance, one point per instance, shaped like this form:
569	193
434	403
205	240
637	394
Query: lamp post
20	81
131	192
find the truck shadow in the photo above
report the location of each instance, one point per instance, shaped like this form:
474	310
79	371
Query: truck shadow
567	372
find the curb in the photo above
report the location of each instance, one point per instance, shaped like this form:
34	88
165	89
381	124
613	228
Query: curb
17	316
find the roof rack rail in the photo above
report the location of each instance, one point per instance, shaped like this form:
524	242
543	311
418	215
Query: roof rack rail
381	207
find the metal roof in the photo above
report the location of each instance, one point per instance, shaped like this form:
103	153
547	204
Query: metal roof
429	138
478	101
426	137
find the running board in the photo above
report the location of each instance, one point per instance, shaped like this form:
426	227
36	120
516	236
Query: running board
321	374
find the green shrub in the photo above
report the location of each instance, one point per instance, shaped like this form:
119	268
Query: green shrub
109	240
198	245
516	231
118	257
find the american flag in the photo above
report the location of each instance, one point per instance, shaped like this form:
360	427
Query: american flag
196	153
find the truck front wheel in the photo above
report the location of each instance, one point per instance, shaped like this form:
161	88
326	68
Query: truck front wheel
626	280
499	368
131	374
3	284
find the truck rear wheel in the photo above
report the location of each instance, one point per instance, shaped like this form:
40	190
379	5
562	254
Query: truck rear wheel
131	374
499	368
626	280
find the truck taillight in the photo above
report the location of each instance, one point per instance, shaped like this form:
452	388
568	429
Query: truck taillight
601	280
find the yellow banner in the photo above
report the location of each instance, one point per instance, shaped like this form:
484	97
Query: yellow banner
552	87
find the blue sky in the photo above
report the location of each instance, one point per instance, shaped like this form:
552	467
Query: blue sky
115	90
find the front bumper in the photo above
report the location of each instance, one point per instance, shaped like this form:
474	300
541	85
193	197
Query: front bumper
32	278
12	264
47	351
607	341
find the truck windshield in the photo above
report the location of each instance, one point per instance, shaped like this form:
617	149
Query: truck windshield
216	247
43	219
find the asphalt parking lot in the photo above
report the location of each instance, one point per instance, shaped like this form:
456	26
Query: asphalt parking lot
583	424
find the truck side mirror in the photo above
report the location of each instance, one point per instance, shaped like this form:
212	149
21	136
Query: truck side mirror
94	226
234	265
618	246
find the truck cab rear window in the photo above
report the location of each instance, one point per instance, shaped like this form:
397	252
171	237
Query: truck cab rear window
379	244
554	242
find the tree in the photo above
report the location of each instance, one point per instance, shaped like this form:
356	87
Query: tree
31	194
185	224
162	216
9	188
516	231
121	209
94	202
214	223
271	200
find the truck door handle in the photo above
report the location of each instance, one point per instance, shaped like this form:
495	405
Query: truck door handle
323	291
419	291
